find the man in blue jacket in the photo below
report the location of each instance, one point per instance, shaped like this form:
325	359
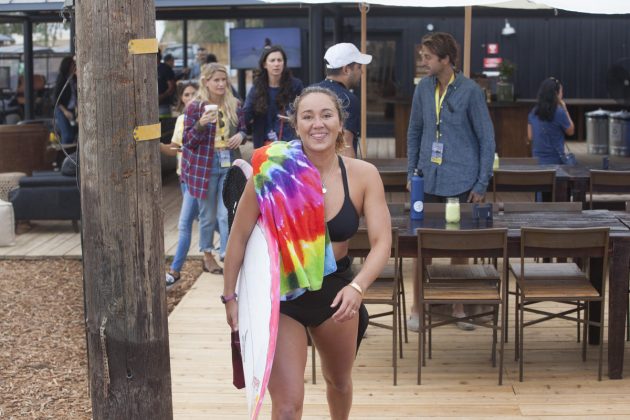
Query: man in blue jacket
450	136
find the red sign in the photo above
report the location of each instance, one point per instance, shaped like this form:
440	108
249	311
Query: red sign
492	62
492	49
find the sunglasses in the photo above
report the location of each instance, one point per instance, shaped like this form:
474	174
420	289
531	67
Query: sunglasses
221	122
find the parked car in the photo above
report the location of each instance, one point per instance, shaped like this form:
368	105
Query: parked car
177	51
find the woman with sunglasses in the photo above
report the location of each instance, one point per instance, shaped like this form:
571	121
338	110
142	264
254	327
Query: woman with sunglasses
548	122
213	131
268	100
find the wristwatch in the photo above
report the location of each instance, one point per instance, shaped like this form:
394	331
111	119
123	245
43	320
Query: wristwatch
226	299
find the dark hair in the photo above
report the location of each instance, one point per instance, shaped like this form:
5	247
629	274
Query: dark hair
261	83
338	70
340	143
443	45
547	99
66	66
211	58
181	87
168	57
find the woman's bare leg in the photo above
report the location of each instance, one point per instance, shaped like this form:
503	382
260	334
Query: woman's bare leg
336	343
286	384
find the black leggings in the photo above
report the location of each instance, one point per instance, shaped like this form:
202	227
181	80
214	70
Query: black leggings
311	309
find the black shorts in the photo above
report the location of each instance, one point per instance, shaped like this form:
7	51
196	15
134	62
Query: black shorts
313	308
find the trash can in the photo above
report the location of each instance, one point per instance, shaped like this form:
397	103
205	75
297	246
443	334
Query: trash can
597	132
619	133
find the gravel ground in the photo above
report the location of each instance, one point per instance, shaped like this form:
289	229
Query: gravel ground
43	360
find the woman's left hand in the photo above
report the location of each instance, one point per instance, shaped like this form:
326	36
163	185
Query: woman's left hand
349	302
235	141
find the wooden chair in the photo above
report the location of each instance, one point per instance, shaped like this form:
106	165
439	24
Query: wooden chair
524	181
533	207
387	289
609	182
559	282
467	284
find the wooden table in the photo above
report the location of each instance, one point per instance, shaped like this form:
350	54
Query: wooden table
619	253
571	181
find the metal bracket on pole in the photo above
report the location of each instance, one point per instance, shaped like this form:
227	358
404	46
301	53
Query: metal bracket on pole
147	132
143	46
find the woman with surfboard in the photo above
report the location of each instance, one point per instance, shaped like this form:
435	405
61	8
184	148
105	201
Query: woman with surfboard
213	130
308	200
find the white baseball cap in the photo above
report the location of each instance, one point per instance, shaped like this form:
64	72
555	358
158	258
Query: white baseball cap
340	55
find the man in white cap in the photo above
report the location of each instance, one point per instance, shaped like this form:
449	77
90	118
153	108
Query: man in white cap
344	63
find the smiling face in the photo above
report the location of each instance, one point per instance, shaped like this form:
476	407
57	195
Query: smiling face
216	84
274	63
318	122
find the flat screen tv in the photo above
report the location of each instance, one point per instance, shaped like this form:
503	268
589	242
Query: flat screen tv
246	45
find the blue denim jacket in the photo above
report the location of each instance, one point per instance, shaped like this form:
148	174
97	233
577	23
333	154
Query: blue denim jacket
466	132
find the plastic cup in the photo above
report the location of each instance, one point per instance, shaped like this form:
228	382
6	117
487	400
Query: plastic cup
211	107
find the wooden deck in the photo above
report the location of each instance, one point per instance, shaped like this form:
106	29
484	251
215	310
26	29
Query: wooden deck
458	382
58	239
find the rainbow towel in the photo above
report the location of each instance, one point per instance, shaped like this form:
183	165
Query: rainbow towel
291	201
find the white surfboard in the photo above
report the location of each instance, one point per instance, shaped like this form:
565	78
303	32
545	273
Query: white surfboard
258	312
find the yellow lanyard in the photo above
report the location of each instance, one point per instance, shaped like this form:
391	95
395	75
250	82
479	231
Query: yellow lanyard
438	102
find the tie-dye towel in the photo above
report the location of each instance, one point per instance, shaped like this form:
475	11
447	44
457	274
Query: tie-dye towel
291	201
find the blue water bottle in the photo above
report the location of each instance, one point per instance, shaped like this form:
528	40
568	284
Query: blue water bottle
417	196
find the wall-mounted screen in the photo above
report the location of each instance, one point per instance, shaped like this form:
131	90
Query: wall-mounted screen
247	44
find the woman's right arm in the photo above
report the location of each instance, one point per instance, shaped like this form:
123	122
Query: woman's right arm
245	219
195	125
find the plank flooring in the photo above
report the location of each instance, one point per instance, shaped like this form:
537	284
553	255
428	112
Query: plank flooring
458	382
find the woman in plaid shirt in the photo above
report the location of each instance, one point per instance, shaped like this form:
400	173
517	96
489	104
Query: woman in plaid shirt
212	136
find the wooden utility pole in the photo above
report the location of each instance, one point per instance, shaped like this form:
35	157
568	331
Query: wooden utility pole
122	228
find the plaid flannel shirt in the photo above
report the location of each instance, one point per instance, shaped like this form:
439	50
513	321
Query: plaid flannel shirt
198	150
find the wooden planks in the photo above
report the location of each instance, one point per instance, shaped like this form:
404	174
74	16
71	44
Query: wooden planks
459	380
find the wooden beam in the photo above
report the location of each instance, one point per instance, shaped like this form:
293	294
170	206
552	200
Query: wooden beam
364	9
122	228
467	39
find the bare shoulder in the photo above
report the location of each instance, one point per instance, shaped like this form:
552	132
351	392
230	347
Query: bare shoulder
360	170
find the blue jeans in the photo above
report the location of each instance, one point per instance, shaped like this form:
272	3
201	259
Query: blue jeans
187	215
213	211
68	133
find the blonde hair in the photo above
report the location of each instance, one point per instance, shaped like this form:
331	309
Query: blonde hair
340	143
230	103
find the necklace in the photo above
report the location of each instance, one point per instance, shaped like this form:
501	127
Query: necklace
324	189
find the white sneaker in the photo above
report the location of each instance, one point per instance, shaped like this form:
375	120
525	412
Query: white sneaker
413	323
465	326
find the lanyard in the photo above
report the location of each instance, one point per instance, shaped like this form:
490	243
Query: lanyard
438	103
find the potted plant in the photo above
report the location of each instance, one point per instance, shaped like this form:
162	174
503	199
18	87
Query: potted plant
505	87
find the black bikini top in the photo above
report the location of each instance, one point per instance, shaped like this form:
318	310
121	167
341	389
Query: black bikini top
346	223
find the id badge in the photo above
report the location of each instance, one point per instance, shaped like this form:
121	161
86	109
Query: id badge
437	150
224	158
272	136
